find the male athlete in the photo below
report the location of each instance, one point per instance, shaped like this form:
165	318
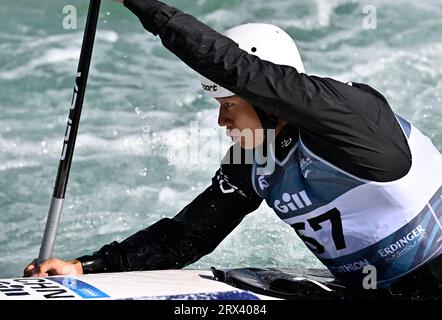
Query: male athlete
359	185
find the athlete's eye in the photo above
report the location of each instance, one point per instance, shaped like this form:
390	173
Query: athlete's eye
229	105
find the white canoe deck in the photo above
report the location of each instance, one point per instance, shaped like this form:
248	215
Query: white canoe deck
155	285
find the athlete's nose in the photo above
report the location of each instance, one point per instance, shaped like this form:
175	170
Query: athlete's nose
223	117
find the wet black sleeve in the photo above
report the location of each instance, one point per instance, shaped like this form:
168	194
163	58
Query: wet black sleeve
352	127
194	232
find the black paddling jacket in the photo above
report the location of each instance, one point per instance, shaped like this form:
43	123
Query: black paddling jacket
350	126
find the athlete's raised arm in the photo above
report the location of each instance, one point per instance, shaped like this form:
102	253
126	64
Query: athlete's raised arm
349	125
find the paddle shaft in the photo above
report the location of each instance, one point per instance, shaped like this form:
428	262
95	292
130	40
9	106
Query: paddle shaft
70	138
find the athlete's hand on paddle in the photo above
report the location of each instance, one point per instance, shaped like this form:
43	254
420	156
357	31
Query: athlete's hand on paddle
52	267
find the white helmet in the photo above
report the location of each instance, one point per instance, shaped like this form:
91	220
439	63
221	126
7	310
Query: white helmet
266	41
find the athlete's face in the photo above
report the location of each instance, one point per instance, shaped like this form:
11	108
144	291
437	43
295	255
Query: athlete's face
241	121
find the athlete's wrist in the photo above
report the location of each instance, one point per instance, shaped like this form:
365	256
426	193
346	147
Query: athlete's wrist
153	14
92	264
77	265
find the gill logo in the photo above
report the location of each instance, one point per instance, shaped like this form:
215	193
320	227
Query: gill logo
292	202
68	129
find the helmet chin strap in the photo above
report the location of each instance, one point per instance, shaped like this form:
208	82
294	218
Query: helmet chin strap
268	122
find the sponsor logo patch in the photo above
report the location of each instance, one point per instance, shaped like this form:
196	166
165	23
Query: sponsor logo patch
263	184
212	88
349	267
292	202
403	245
48	289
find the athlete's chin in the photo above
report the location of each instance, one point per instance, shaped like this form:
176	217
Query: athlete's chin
232	136
246	142
237	139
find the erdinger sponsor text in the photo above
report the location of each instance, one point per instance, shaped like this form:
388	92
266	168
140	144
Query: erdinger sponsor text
401	246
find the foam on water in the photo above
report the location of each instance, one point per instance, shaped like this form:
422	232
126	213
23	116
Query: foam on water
52	55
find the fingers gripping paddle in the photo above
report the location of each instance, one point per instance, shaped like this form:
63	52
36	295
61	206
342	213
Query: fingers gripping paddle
71	133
